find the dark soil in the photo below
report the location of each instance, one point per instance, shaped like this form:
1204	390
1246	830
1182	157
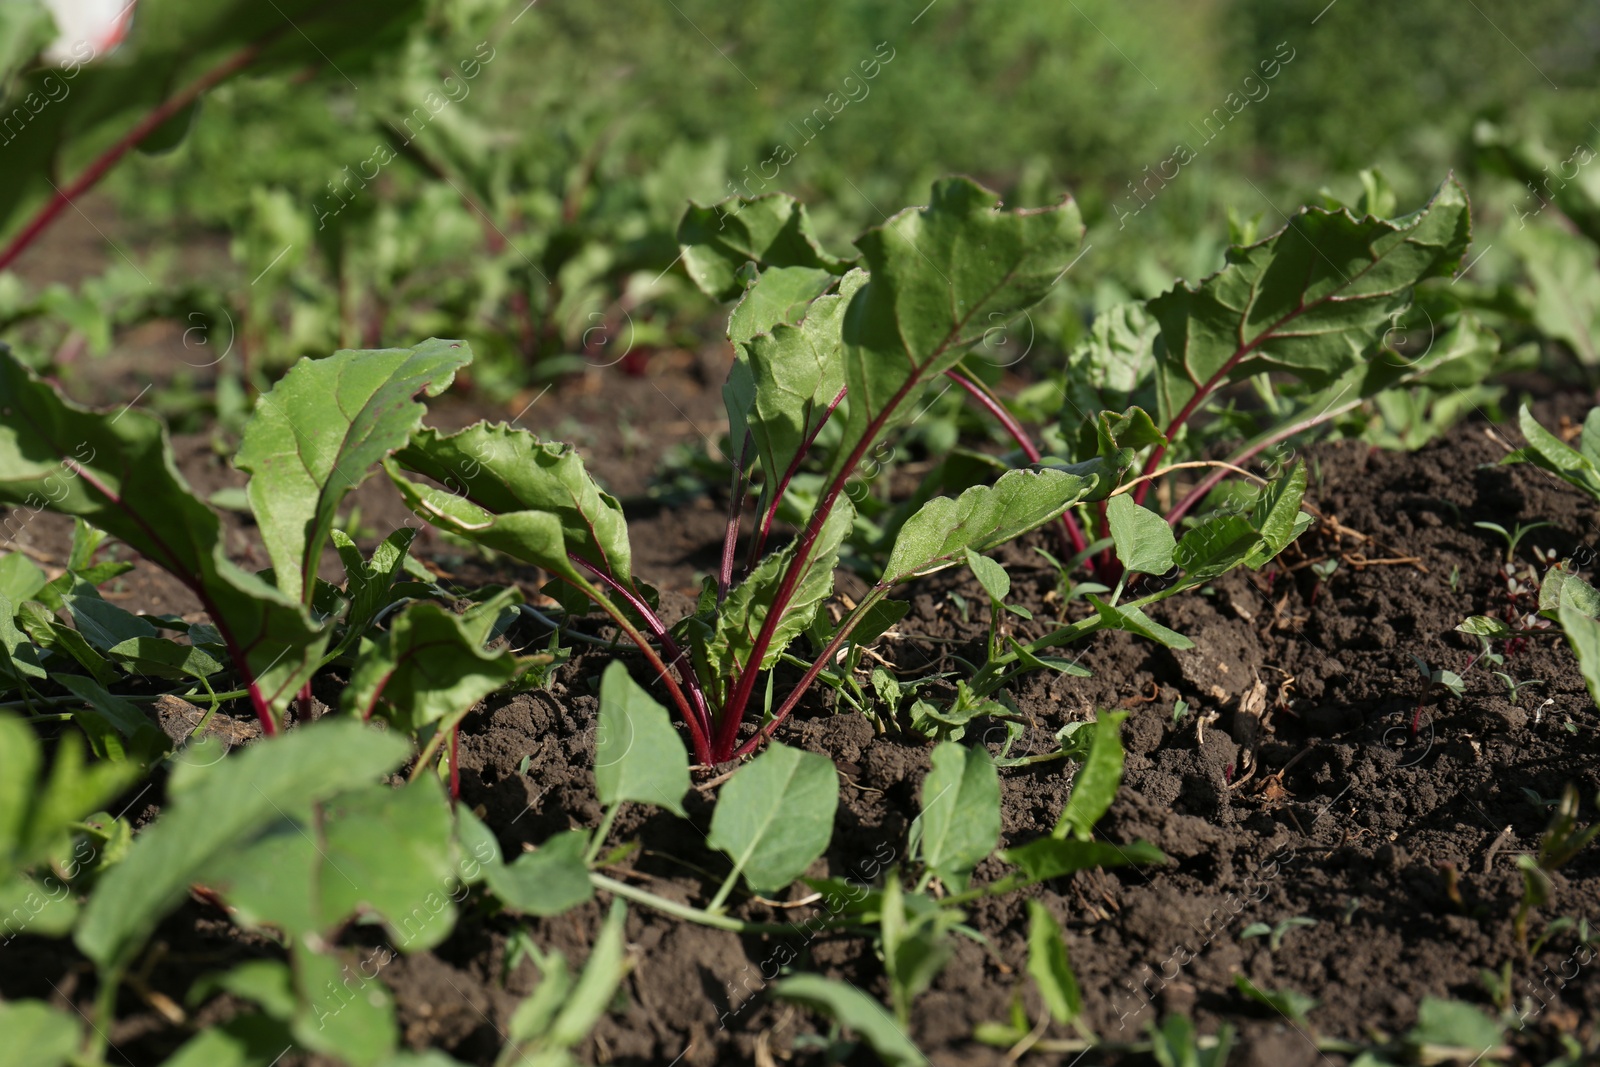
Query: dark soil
1401	849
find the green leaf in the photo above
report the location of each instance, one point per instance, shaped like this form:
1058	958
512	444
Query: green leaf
915	942
1217	545
19	659
211	809
374	850
1290	1004
1484	626
120	715
1566	287
1144	540
116	471
941	276
596	987
1548	452
1053	857
1277	517
37	815
853	1010
37	1035
1095	786
991	575
769	231
266	983
1137	622
638	755
547	882
1049	966
1107	371
776	815
244	1041
748	604
509	491
429	665
48	632
20	577
319	433
1307	300
370	582
960	821
1561	586
982	518
796	373
354	1021
1452	1024
778	295
1583	633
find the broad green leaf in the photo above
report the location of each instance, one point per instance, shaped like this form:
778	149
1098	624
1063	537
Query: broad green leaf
374	850
509	491
102	623
163	658
1137	622
1217	545
1566	286
778	295
776	815
960	821
19	659
1583	633
1561	586
20	577
48	632
1053	857
37	1035
1548	452
1452	1024
117	713
342	1012
117	472
40	906
1307	300
320	432
1288	1003
1144	540
1109	370
981	518
993	577
548	881
244	1041
941	276
214	808
1095	786
853	1010
768	231
638	755
428	665
1050	967
796	373
268	984
748	604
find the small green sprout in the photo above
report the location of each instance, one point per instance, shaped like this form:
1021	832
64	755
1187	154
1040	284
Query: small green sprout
1275	934
1513	536
1515	686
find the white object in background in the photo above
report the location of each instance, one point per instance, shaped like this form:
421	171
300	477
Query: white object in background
87	24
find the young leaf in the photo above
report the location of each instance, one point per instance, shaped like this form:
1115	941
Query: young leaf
940	277
1052	857
1277	517
1137	622
749	602
1484	626
320	432
993	577
1049	966
1219	544
981	518
960	821
1288	1003
1561	586
37	1035
502	489
548	881
1452	1024
778	295
638	755
1303	299
1095	787
853	1010
1144	540
356	1025
769	231
915	942
776	815
1583	633
429	664
596	987
117	472
210	809
368	582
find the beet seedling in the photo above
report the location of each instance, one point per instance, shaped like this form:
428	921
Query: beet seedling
1449	681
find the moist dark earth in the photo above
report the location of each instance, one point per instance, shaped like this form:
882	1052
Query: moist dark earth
1400	849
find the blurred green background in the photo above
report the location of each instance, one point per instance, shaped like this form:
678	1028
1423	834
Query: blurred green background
513	173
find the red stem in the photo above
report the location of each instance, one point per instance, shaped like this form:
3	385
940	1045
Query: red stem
760	541
730	538
109	158
455	764
991	403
